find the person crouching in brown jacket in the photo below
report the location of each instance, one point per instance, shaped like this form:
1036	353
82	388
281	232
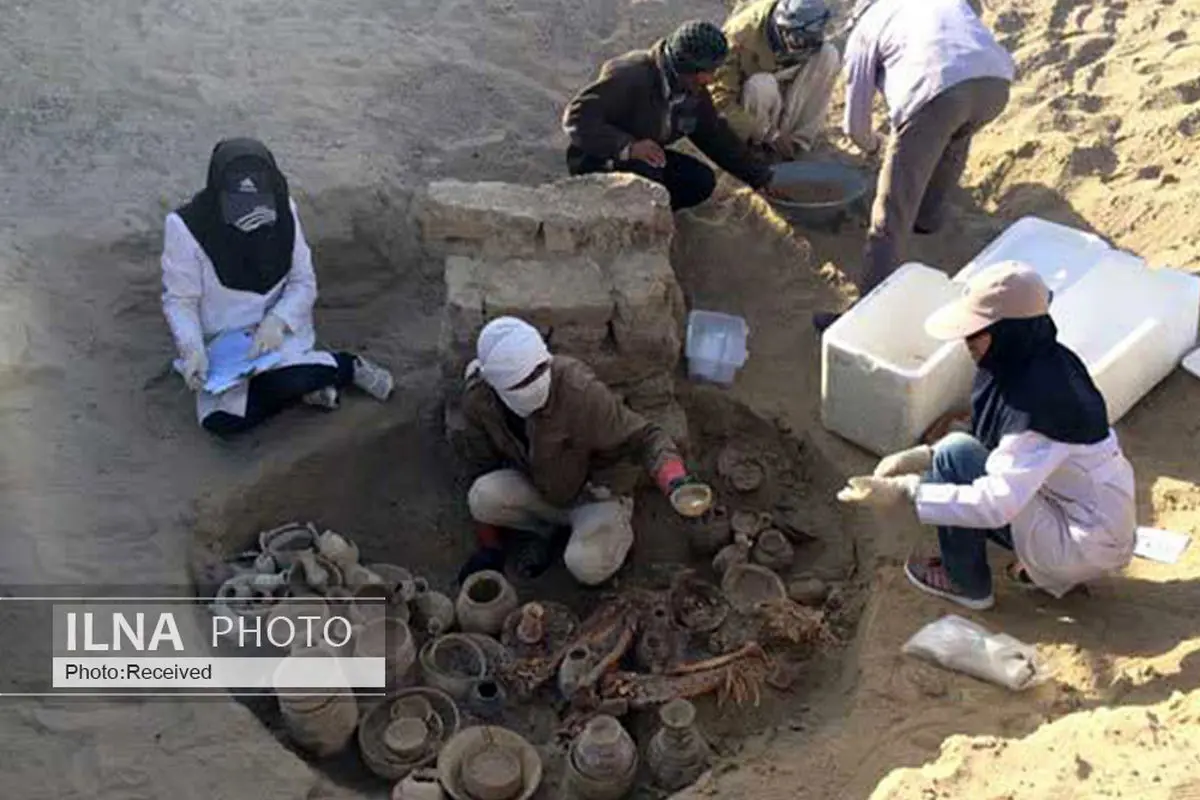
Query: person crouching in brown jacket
644	101
538	426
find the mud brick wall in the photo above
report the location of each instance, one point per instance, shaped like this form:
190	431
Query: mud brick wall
585	260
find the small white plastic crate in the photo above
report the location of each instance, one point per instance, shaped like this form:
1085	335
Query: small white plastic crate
884	381
716	346
1131	326
1061	255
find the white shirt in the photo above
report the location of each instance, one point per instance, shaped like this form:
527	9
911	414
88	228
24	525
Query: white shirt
1071	506
198	307
914	50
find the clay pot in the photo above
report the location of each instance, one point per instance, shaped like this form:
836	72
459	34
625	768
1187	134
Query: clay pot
394	742
320	724
655	648
732	555
338	549
808	591
603	761
698	605
531	628
489	763
391	640
398	580
295	610
743	471
575	665
746	586
432	612
453	663
678	754
421	784
492	773
486	699
773	550
710	533
538	629
485	601
315	571
285	543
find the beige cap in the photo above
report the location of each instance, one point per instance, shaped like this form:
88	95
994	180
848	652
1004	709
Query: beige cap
1008	290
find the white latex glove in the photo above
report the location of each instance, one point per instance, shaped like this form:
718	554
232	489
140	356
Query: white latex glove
913	461
879	493
268	336
195	369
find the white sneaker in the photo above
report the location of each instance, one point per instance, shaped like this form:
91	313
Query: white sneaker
326	398
373	379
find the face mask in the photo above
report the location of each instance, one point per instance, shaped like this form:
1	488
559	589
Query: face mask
528	399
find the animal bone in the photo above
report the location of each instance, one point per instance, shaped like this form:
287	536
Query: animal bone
603	632
736	676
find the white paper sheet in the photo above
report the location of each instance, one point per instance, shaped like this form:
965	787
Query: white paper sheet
1159	545
229	361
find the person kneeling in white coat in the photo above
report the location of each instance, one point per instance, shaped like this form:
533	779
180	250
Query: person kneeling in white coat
1042	473
235	257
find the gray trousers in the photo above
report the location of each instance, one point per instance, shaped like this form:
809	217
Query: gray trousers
601	532
924	159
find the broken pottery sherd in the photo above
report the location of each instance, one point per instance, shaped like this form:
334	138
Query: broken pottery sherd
420	784
338	549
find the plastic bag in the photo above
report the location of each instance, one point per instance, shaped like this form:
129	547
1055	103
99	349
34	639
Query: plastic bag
964	646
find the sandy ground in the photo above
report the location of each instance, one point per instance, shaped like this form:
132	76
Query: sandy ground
112	109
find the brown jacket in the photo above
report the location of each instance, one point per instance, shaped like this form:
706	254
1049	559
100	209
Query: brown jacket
584	427
628	102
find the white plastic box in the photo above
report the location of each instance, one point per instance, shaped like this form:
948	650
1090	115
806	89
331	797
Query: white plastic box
716	346
1130	325
1061	255
884	381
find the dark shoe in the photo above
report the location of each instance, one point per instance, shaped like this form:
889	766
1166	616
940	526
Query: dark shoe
920	231
530	555
821	320
484	558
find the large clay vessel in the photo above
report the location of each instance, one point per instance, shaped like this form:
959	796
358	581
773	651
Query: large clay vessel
678	754
602	762
486	599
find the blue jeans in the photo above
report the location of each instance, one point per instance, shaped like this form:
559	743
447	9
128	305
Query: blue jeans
960	459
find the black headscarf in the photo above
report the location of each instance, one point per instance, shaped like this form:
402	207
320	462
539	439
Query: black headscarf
1028	381
249	262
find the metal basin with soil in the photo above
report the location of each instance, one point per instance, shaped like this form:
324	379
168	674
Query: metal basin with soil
816	194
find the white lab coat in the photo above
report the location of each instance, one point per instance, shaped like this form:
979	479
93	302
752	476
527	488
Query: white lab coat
198	307
1071	507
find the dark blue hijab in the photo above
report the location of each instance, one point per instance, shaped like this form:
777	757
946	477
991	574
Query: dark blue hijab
1028	381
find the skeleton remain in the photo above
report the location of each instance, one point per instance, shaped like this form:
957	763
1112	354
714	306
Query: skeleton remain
736	676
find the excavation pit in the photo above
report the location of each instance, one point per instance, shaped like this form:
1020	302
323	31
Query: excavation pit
396	491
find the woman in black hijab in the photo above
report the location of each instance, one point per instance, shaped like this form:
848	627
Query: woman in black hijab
235	264
1042	472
